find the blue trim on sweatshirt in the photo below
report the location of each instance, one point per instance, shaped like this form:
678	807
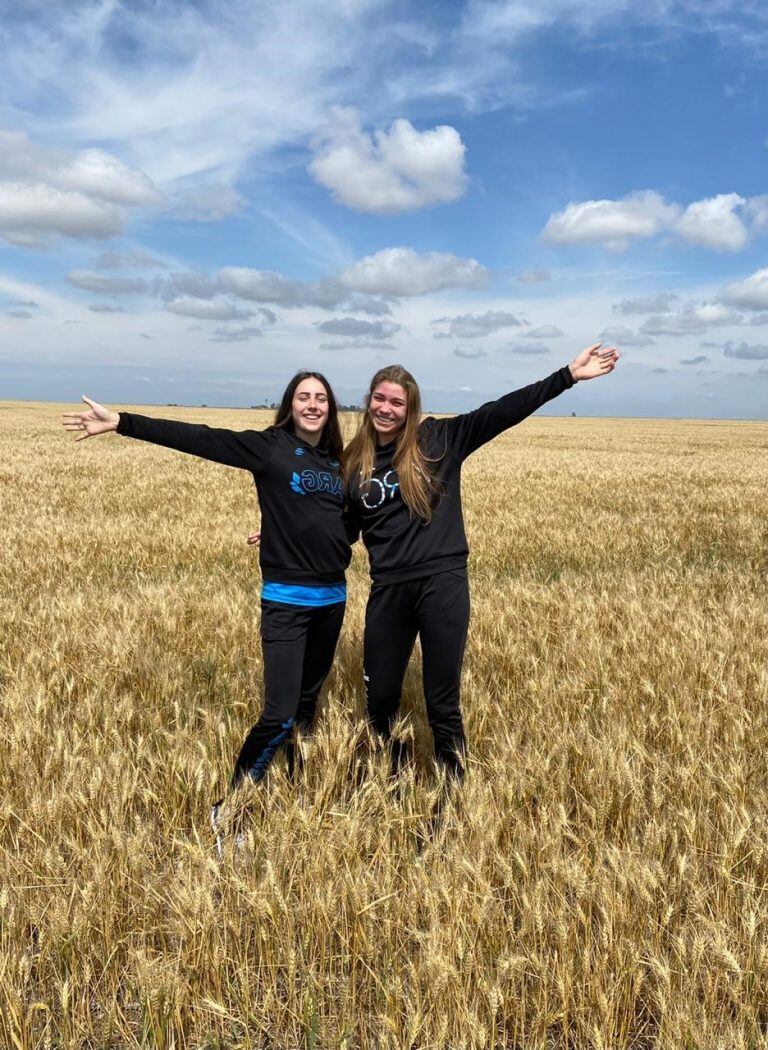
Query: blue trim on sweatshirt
295	594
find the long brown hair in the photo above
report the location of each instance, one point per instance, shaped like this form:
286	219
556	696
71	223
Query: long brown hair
417	485
330	438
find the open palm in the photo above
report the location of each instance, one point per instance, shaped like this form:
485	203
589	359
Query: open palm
595	361
97	420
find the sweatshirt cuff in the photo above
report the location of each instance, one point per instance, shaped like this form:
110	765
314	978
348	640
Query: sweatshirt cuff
124	424
566	374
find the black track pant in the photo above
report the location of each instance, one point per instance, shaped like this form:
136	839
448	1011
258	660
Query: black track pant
298	644
437	609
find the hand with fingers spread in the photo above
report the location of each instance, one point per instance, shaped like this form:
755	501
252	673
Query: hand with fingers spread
97	420
595	361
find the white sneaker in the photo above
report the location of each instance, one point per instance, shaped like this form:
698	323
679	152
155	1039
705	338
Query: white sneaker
220	830
217	829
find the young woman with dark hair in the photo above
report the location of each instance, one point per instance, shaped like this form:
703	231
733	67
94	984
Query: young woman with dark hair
403	480
296	468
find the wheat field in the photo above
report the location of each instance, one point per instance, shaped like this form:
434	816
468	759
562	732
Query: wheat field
600	879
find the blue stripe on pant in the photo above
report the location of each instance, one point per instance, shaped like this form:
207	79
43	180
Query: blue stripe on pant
298	644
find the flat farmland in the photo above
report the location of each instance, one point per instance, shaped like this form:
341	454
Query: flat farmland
598	882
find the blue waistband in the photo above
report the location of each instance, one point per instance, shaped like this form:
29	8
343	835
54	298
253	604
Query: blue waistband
295	594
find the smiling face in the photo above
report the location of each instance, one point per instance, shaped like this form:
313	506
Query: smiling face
309	410
388	410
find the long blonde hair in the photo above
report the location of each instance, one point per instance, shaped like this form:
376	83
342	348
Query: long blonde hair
417	485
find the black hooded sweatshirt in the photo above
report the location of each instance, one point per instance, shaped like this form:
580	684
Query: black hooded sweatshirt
301	493
402	546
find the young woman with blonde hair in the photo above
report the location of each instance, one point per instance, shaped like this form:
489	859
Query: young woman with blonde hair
403	479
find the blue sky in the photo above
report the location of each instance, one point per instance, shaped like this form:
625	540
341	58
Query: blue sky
196	199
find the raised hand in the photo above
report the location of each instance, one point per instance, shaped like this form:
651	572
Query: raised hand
595	361
97	420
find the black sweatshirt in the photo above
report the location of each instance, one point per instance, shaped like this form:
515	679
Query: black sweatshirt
301	492
401	546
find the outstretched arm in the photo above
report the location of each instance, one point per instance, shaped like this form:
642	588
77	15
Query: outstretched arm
248	449
468	432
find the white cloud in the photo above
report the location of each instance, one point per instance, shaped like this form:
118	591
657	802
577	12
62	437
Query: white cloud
405	272
268	286
750	294
625	337
756	209
235	332
92	172
207	309
392	171
105	308
135	259
545	331
209	203
473	326
470	352
713	223
351	326
99	174
693	319
48	192
267	316
97	282
646	304
262	286
190	282
531	349
747	351
611	223
360	342
368	304
758	320
31	213
394	272
506	21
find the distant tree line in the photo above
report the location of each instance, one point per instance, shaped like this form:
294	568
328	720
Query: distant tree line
272	405
342	408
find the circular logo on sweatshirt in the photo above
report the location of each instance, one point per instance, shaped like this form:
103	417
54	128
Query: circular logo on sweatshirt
374	492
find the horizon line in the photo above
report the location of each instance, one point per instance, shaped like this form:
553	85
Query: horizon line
266	408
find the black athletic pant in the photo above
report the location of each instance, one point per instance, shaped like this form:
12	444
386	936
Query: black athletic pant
437	609
298	644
